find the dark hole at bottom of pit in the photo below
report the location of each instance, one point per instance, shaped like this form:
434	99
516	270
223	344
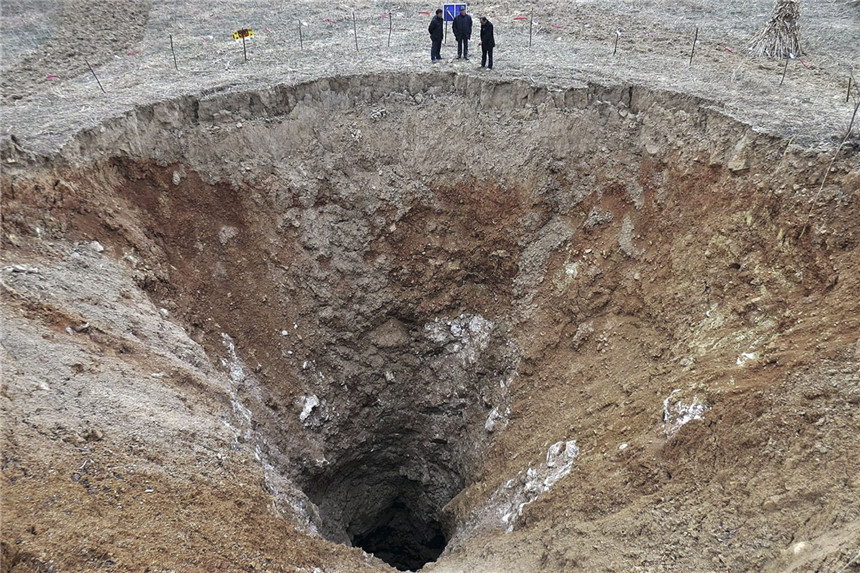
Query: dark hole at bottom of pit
369	502
401	539
388	495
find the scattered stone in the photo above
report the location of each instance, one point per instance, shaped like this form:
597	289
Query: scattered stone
738	163
596	217
390	334
377	114
226	233
676	413
583	333
26	269
492	420
94	435
746	357
74	438
800	547
625	238
308	405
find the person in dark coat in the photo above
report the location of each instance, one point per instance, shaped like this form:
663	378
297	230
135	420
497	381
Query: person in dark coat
436	31
462	28
488	42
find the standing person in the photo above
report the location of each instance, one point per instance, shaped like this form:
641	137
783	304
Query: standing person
436	31
488	42
462	28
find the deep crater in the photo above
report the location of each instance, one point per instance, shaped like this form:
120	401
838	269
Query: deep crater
407	266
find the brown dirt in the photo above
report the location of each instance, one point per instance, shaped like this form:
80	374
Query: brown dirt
612	256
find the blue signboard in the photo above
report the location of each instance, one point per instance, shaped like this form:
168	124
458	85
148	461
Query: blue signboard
451	10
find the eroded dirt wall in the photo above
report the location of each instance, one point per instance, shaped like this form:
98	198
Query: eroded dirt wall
415	257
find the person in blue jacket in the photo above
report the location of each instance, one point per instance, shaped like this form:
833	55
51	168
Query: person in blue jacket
488	42
462	28
436	31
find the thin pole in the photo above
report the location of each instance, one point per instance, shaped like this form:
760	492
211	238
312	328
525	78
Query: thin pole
446	24
784	69
244	50
531	23
175	65
695	39
301	40
848	95
389	29
617	35
95	76
355	30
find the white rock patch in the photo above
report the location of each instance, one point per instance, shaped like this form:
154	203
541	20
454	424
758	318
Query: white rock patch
467	335
676	413
530	484
308	405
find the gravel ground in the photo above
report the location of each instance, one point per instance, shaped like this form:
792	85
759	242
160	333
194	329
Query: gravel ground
49	93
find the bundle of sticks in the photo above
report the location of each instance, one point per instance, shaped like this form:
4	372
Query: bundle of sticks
781	37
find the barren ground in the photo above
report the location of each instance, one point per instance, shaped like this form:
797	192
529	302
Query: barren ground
585	312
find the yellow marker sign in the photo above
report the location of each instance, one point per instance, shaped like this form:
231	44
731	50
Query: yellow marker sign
243	33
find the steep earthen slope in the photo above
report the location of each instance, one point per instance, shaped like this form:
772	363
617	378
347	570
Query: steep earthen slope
567	327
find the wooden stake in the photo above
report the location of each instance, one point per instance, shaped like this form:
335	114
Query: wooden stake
784	69
531	23
95	76
175	65
389	29
355	30
829	167
617	35
848	95
301	40
693	51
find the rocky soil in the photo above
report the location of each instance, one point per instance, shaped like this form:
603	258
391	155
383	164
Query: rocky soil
587	313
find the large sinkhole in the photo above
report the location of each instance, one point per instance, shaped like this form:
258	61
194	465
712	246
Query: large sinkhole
388	275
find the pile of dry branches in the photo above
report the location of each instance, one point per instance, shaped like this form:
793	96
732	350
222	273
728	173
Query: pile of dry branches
781	37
